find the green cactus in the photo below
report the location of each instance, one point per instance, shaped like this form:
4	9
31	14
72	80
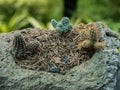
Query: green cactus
54	23
20	50
62	26
93	35
19	47
32	48
90	38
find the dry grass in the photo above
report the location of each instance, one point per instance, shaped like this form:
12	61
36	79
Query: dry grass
55	50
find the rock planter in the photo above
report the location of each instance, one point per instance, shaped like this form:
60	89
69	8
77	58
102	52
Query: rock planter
98	73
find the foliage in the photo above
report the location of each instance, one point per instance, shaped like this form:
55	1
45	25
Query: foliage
62	26
106	11
18	14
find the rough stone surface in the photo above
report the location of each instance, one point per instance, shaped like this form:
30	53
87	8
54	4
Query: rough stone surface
98	73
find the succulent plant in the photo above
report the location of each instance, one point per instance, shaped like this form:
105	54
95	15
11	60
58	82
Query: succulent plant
90	38
19	47
20	50
32	48
62	26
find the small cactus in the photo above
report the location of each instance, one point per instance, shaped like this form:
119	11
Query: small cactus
54	23
81	25
62	26
99	45
20	50
33	47
19	47
84	44
90	38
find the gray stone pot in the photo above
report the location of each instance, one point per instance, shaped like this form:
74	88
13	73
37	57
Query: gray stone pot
98	73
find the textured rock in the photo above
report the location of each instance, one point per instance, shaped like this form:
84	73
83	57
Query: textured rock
98	73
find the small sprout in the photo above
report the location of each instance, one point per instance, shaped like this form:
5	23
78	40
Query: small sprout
62	26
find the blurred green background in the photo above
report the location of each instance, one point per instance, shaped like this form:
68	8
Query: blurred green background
19	14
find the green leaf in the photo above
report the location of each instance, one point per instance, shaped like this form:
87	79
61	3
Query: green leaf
17	18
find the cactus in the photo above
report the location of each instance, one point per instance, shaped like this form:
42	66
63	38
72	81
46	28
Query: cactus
32	48
20	50
99	45
90	38
19	47
84	44
54	23
62	26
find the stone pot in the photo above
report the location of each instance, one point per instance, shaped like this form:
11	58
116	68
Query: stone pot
98	73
